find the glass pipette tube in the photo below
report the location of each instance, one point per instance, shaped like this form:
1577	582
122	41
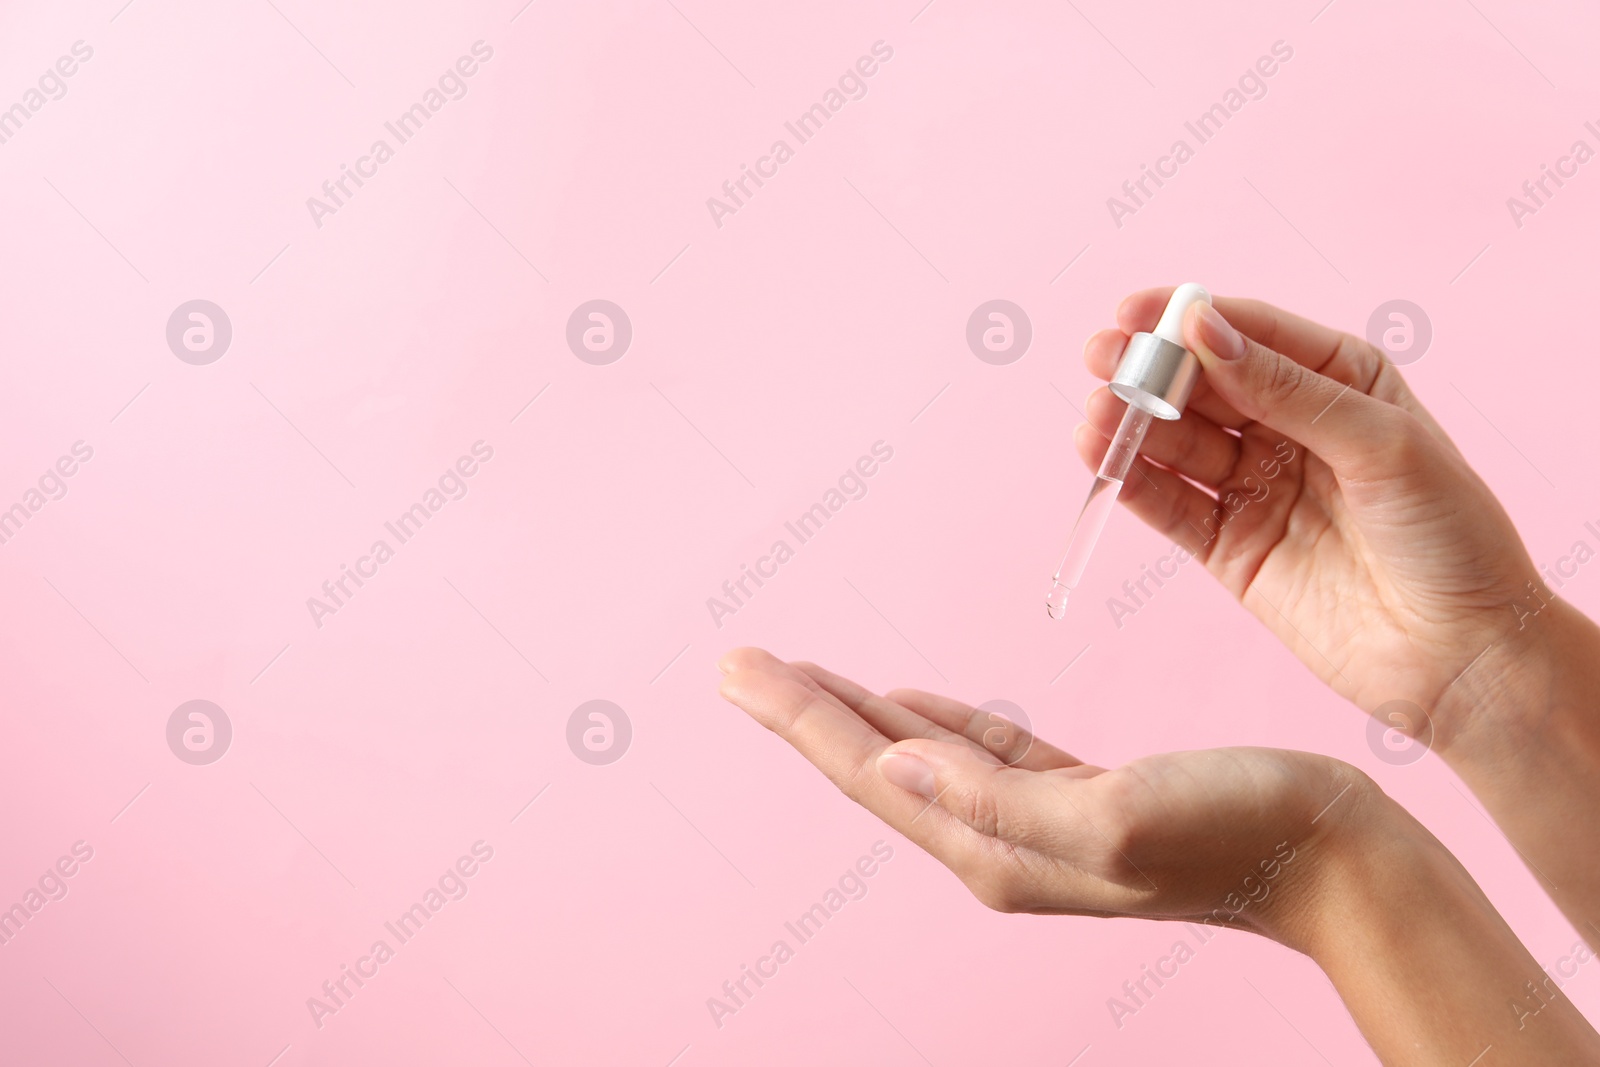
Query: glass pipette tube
1097	508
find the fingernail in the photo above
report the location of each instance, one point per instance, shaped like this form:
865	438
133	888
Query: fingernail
1217	335
907	772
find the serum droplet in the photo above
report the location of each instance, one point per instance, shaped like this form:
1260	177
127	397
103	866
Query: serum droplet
1055	602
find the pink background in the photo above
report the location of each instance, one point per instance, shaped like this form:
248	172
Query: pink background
767	355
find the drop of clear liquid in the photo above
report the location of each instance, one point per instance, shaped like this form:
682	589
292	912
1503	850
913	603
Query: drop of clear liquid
1055	601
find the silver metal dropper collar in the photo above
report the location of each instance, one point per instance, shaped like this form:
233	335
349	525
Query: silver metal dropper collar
1156	375
1157	372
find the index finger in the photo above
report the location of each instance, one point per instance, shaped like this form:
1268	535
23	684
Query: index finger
846	750
1345	358
896	721
1009	742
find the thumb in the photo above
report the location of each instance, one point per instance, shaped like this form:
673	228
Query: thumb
1338	422
997	801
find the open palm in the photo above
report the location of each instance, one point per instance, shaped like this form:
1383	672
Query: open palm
1207	836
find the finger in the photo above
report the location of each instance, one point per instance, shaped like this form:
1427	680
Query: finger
845	749
1165	502
759	659
894	721
1022	808
1284	395
1139	312
1194	446
1327	351
1103	352
1347	359
1007	741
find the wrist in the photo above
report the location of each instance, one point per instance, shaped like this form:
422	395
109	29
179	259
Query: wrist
1401	929
1362	833
1536	686
1530	750
1364	866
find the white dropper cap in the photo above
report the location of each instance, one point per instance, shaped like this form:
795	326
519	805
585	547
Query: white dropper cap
1158	372
1170	328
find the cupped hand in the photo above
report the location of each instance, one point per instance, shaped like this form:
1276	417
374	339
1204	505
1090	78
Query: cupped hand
1210	836
1313	484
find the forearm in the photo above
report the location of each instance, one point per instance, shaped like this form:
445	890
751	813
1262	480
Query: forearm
1428	969
1528	744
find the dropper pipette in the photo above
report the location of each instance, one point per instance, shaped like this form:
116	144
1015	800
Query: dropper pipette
1155	377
